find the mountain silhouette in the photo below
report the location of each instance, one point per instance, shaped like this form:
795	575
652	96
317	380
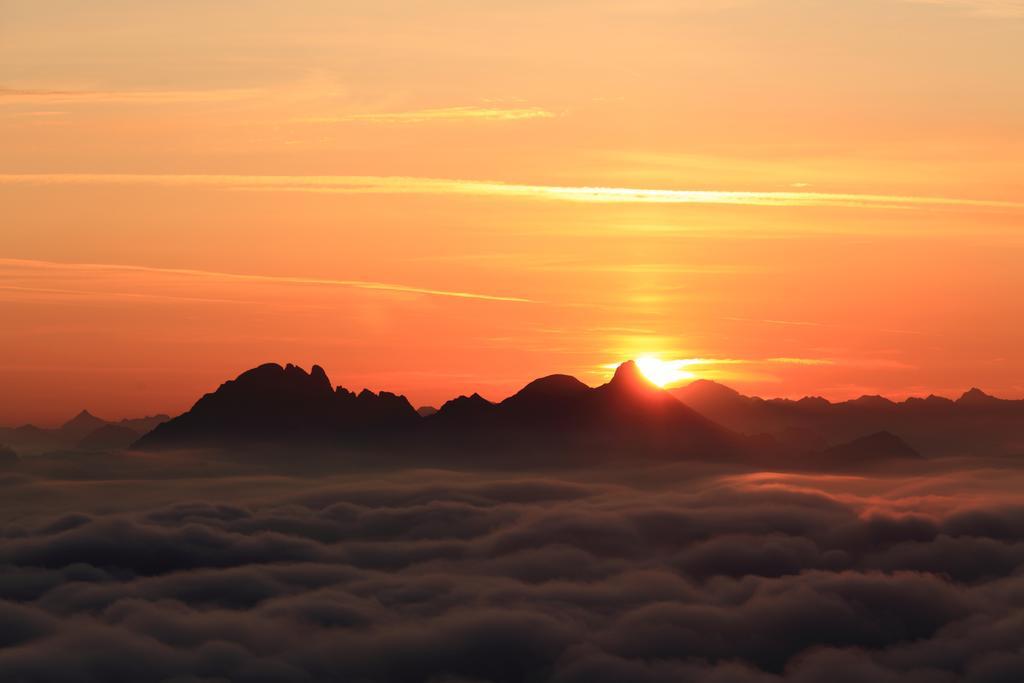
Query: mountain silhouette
551	392
141	425
108	437
974	423
873	449
80	425
977	398
628	416
629	402
627	412
271	403
472	411
84	431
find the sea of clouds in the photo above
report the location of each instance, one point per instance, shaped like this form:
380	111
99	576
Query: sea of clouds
674	574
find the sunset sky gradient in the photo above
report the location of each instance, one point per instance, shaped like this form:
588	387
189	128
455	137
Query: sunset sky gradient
799	197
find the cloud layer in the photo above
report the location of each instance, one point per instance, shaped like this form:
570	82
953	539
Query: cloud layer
479	578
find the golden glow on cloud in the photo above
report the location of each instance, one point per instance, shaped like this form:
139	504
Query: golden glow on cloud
445	186
440	114
12	96
1013	9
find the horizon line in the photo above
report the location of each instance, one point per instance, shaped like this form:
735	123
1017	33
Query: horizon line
669	389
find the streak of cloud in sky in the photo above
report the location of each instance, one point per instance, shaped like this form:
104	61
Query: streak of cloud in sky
412	185
357	284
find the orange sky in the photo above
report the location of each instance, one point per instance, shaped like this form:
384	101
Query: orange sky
435	198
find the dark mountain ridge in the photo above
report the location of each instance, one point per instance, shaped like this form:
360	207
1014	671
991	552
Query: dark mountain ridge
974	422
272	404
874	449
626	417
81	425
85	431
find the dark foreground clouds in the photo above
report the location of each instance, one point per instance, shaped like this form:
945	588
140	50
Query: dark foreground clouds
444	578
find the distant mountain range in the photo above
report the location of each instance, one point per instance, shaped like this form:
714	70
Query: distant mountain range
273	404
557	418
974	424
85	431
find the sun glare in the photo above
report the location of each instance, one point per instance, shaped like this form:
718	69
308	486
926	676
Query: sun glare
663	372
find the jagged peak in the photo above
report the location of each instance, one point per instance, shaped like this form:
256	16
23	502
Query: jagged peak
83	418
268	371
318	374
627	371
976	395
474	399
392	396
629	378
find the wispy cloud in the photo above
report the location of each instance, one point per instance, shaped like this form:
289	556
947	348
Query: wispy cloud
70	96
802	361
488	188
85	96
188	272
811	323
100	294
441	114
992	8
770	321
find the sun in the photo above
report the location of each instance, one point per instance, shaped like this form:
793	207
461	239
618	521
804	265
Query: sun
663	372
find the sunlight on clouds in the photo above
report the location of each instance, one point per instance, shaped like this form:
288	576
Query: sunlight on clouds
446	186
56	96
992	8
441	114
